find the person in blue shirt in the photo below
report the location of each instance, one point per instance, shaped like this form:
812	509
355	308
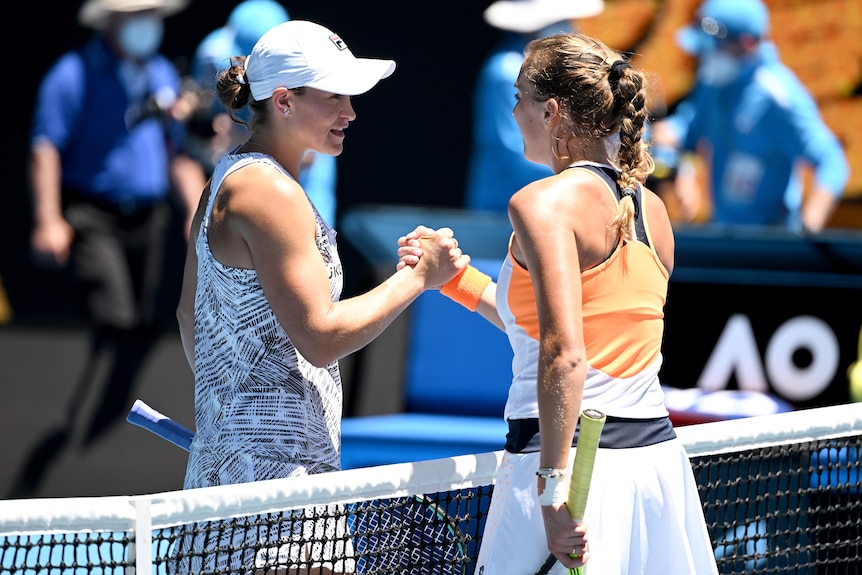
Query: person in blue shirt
106	160
497	167
212	131
753	124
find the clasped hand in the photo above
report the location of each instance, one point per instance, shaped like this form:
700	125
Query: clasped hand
434	253
567	537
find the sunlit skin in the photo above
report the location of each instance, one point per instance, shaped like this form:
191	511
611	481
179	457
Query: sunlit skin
264	222
533	118
317	121
562	226
323	117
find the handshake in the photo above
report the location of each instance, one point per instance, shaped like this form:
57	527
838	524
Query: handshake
438	251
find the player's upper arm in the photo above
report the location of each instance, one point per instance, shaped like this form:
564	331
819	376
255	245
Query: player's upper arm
273	217
542	216
660	228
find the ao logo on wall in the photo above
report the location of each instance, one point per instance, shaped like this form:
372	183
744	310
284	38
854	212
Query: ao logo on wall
736	353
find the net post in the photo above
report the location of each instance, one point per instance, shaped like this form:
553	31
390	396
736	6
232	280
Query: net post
140	552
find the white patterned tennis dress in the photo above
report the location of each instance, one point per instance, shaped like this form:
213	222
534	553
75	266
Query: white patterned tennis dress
262	411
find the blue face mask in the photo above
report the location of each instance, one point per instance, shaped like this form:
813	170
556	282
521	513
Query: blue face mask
141	36
718	68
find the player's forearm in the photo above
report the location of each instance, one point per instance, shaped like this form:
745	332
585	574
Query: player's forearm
45	183
559	398
818	209
353	323
487	307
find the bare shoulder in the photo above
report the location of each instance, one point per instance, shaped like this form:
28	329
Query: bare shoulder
259	193
258	208
566	193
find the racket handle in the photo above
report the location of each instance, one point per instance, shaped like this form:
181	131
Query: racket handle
592	422
148	418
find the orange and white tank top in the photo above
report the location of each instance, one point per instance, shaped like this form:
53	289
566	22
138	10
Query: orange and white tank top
623	317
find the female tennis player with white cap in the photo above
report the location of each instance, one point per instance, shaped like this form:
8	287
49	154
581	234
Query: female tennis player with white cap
260	317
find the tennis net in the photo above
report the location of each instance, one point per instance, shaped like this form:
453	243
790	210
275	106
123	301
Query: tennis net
782	494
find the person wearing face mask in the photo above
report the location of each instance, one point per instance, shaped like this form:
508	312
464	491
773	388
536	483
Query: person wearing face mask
106	158
753	124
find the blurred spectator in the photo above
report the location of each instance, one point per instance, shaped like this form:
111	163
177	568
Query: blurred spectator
106	157
497	167
212	133
753	125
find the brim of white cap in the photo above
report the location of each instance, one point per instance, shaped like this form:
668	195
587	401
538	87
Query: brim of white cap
94	13
362	75
528	16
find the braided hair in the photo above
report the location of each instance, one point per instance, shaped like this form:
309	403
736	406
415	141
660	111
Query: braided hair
600	96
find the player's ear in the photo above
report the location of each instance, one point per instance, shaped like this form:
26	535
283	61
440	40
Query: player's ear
551	111
281	100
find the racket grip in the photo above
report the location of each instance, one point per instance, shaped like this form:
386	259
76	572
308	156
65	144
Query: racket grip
148	418
591	423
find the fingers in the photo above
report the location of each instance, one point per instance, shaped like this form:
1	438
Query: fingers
569	562
567	538
409	252
577	553
442	239
407	260
438	245
410	247
446	232
417	233
425	232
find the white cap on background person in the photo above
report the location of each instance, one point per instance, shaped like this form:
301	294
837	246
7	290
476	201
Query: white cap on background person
528	16
94	13
299	54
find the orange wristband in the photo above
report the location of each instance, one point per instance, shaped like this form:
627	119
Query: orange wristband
466	288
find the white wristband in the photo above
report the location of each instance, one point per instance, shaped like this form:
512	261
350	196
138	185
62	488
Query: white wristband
556	490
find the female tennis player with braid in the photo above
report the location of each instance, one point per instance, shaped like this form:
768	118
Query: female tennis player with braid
581	295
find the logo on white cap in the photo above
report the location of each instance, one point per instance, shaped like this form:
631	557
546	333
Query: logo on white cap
339	43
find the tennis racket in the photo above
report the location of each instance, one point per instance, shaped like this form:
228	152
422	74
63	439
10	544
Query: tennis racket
148	418
591	423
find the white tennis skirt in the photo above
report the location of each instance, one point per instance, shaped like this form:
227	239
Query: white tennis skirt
644	516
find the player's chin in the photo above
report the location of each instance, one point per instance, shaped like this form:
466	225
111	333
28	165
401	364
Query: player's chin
334	144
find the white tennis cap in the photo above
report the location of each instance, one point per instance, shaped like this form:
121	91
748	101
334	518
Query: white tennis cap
298	53
528	16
